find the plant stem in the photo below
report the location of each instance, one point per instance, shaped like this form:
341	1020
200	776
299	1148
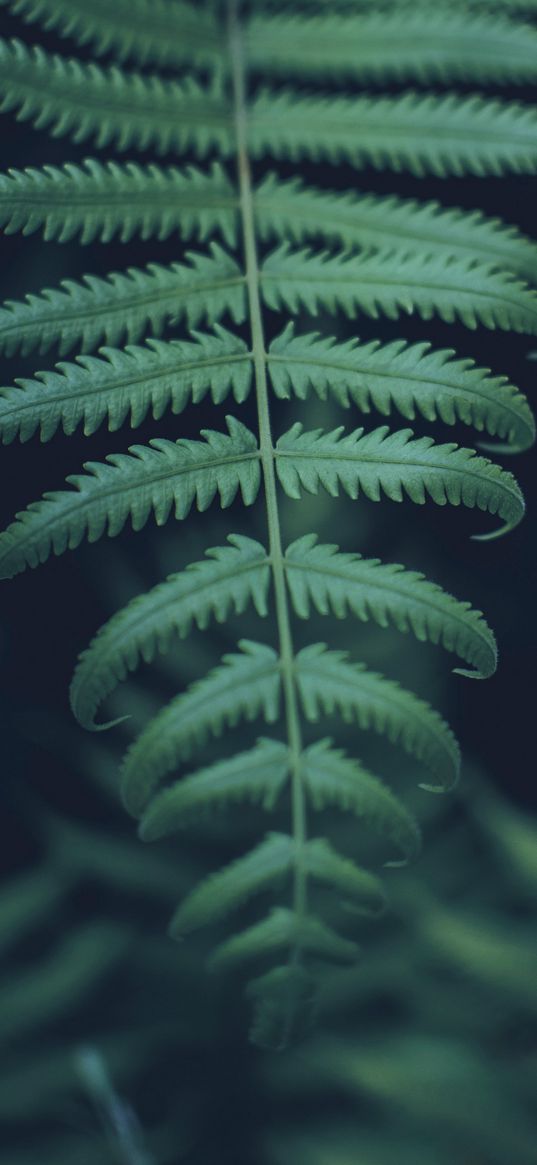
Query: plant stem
117	1117
287	654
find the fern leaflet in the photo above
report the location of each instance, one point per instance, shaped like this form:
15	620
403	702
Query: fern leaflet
243	687
418	132
332	582
154	31
412	379
109	105
230	578
127	383
257	775
102	201
294	210
388	45
396	282
329	683
124	304
398	466
333	779
280	931
154	478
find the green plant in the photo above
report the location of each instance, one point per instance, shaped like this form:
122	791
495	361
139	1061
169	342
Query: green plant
400	257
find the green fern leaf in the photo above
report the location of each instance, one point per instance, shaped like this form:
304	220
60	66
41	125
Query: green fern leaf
412	378
243	687
102	201
333	779
220	893
512	6
284	1003
229	579
328	683
395	45
279	931
154	478
298	211
357	886
226	890
258	775
113	107
418	132
398	257
329	581
154	31
397	465
125	384
397	282
425	6
124	304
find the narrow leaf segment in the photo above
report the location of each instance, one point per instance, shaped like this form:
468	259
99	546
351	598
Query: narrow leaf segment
332	582
158	478
229	579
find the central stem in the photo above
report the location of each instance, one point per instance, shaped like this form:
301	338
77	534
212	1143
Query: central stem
287	654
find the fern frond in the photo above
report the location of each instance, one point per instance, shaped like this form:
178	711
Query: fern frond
425	6
418	132
243	687
154	478
284	1002
324	578
111	106
395	46
258	775
269	862
394	283
228	579
397	257
510	6
227	890
356	885
333	779
279	931
397	465
293	209
147	31
411	378
329	683
103	200
126	383
124	304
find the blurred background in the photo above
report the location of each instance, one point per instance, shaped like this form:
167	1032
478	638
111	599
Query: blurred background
425	1053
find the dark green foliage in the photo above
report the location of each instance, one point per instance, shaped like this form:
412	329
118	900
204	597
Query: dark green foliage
211	94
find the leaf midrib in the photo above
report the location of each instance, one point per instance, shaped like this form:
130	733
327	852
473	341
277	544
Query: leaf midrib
400	131
104	198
